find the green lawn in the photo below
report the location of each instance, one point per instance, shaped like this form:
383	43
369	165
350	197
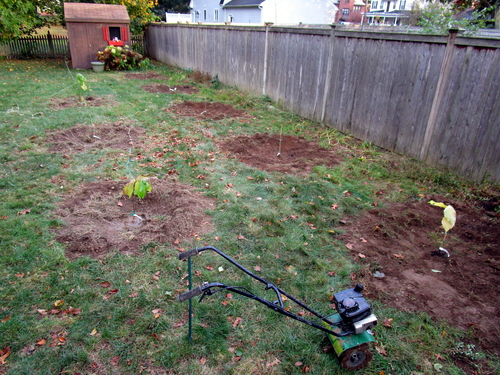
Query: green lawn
119	314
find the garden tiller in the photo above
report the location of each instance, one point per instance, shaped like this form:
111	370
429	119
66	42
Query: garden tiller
348	329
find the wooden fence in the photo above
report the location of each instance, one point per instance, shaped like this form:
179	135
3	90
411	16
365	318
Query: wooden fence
435	98
36	46
50	46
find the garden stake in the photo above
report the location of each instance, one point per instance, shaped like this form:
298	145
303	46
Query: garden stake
190	287
348	329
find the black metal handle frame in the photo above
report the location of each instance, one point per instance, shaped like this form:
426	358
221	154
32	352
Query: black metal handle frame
278	306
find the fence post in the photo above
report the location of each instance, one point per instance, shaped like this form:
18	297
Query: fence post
266	48
52	52
438	94
328	77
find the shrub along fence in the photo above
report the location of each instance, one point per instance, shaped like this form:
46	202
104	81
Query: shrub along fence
50	46
435	98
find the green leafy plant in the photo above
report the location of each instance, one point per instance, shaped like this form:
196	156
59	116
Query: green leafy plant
82	84
438	18
215	82
139	187
122	58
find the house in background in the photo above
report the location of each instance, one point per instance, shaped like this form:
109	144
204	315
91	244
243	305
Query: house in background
279	12
350	11
391	12
92	27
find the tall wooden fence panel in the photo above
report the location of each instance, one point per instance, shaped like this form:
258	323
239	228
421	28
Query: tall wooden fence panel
436	98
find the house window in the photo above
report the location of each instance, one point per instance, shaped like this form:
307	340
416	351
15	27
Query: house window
394	5
357	8
402	4
204	14
231	18
216	14
374	4
345	11
346	1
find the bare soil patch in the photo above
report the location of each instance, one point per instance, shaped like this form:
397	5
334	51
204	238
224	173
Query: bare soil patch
159	88
75	101
118	135
99	219
296	155
207	110
402	241
143	76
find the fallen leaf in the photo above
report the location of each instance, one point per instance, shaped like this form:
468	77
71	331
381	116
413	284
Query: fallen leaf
115	360
59	303
237	322
24	212
331	273
120	204
249	178
157	313
439	356
41	342
241	237
399	256
203	360
298	364
42	312
4	217
350	246
4	354
156	336
6	319
94	332
133	295
387	322
179	323
105	284
273	363
361	255
306	369
381	351
334	206
257	268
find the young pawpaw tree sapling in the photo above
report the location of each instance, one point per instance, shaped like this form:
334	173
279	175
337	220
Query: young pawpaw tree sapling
139	187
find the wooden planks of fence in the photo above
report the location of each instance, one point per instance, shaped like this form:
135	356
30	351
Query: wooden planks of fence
435	98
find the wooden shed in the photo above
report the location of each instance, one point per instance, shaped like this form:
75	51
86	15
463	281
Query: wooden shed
92	27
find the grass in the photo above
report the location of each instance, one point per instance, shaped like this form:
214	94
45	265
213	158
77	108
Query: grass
135	325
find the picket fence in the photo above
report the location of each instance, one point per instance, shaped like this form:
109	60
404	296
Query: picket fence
49	46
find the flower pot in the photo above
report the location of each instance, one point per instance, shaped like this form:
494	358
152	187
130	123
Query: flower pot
97	66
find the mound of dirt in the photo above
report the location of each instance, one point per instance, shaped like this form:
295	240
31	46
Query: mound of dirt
75	101
158	88
99	219
206	110
296	155
143	76
402	242
83	137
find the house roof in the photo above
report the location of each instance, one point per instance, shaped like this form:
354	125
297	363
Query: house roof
88	12
243	3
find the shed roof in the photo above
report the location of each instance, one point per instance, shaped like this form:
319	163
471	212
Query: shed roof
243	3
89	12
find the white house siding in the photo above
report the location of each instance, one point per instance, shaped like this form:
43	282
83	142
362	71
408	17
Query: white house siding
243	15
282	12
206	11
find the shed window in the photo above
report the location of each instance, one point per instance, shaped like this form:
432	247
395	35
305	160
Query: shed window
114	35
